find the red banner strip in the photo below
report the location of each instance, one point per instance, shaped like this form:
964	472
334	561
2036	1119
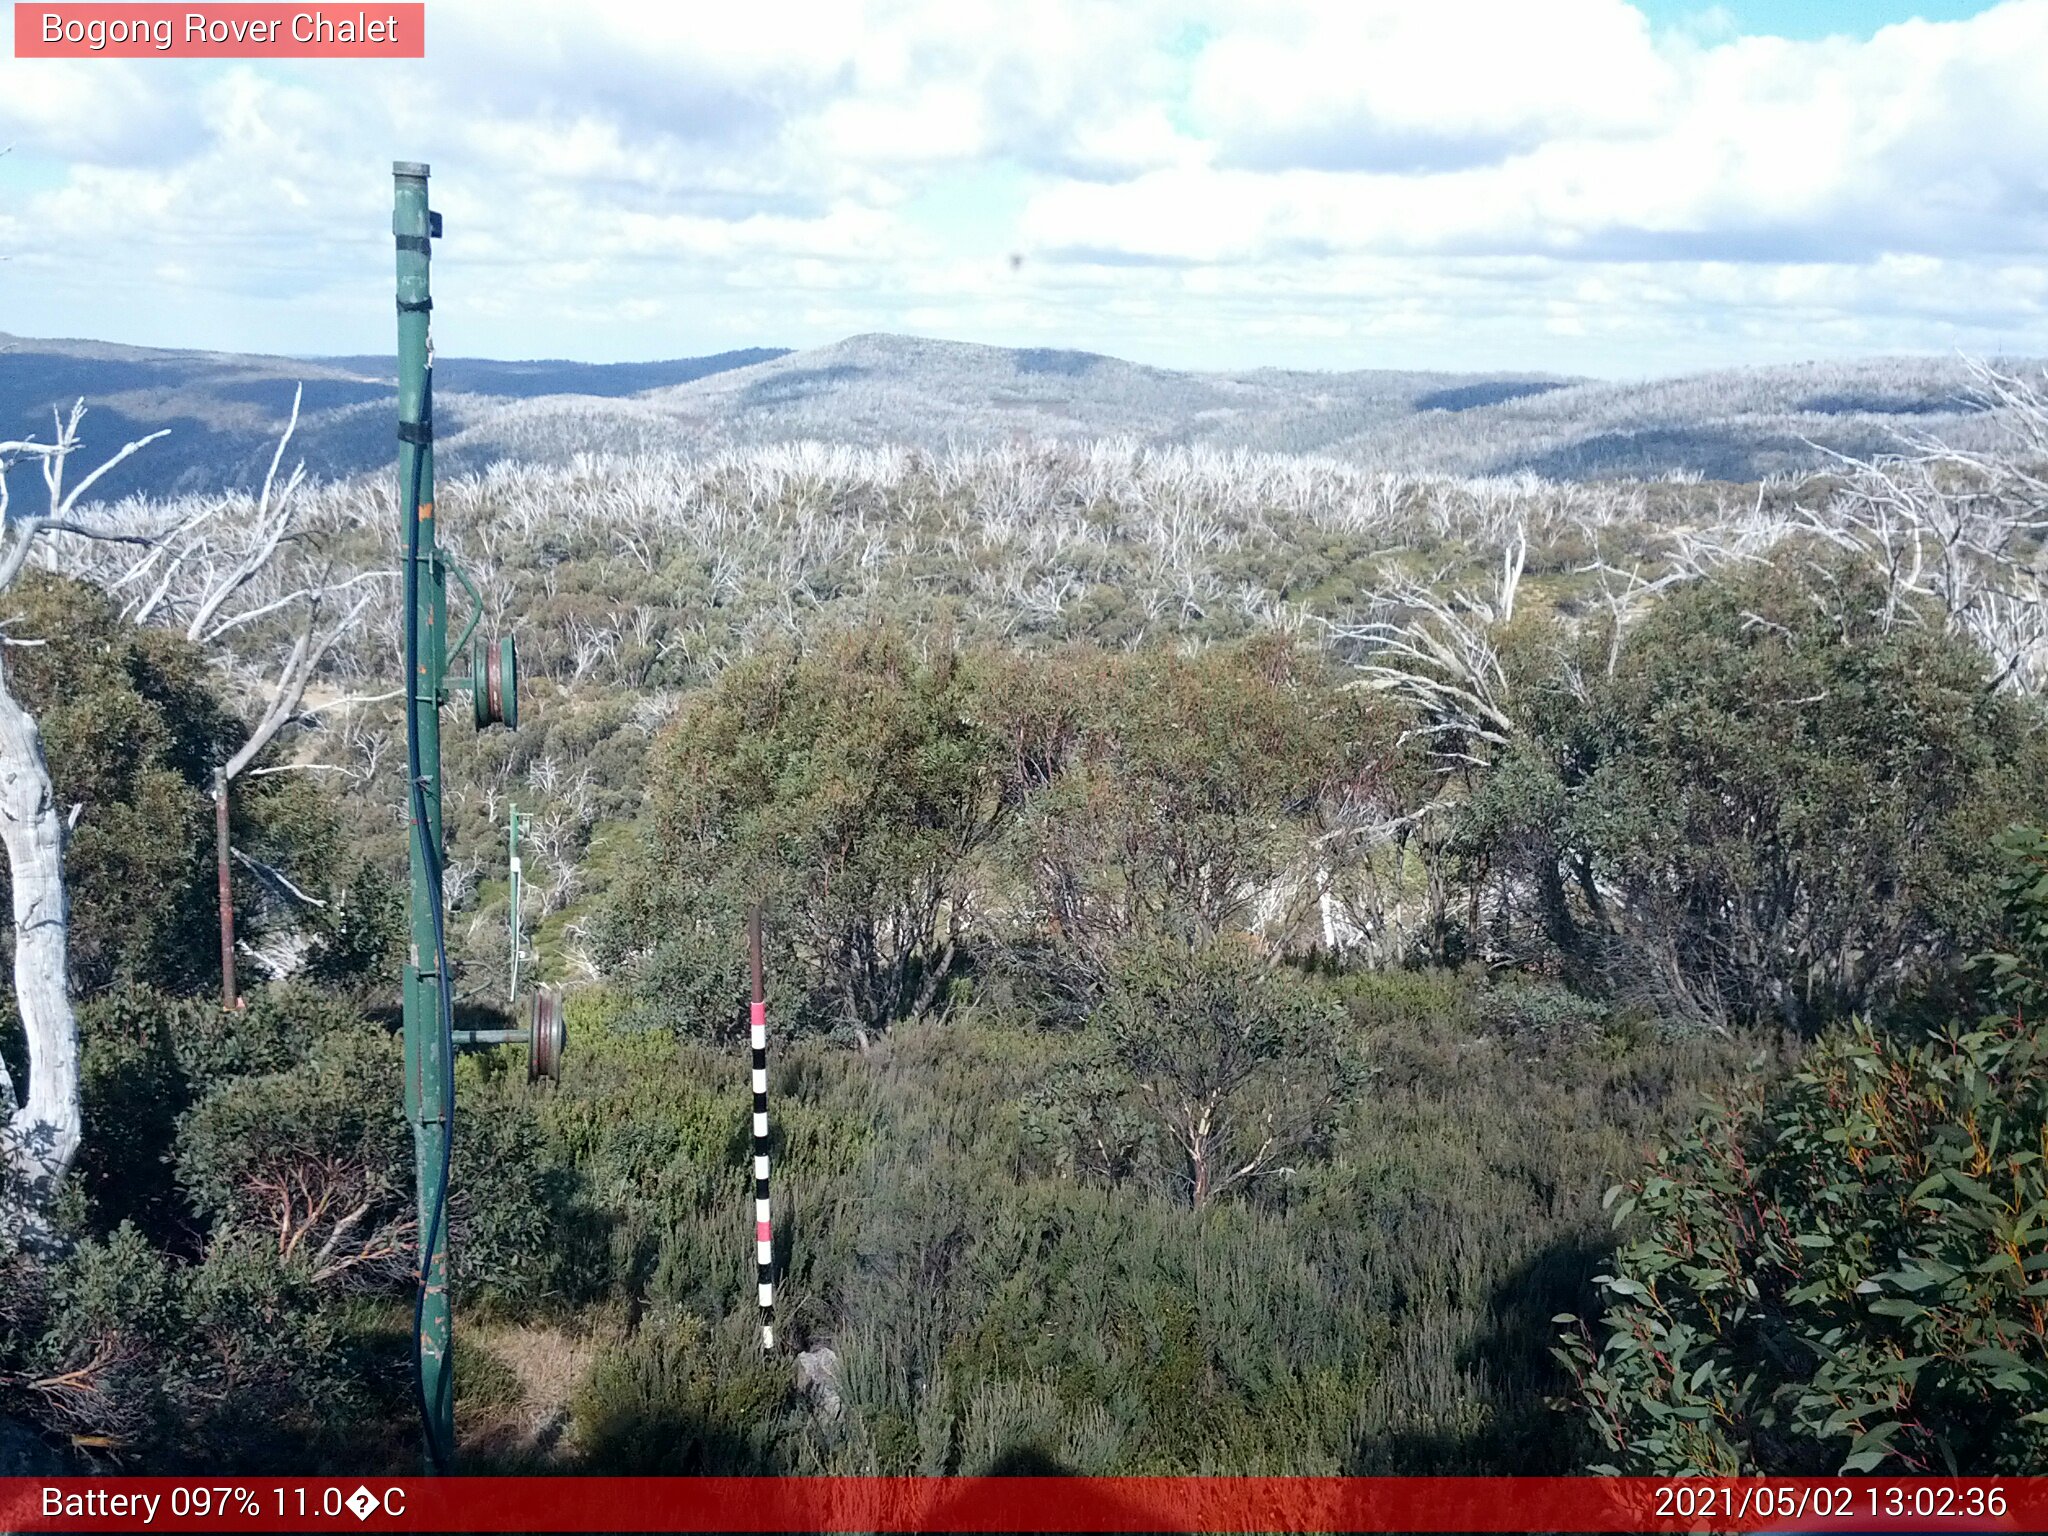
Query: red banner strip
1422	1504
379	29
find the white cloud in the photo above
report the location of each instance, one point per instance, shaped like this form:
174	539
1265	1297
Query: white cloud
1227	181
116	110
1388	86
940	122
1925	138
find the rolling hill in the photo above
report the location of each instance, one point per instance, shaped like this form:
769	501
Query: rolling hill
224	410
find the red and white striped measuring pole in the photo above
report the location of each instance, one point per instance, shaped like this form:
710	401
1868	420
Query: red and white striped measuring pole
764	1231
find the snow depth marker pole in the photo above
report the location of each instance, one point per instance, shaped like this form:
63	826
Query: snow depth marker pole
764	1232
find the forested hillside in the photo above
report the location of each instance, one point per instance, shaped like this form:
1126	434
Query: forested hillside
1274	966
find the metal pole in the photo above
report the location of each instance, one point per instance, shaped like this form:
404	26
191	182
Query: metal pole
764	1231
427	1044
227	889
515	902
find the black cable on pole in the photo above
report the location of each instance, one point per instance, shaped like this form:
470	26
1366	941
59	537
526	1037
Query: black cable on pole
430	1231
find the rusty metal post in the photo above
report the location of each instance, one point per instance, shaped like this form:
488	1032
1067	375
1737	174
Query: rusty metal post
227	889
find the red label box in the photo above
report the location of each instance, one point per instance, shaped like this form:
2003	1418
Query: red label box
1656	1506
372	30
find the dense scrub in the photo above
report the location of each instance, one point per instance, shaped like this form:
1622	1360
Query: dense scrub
132	727
1380	1304
1762	801
1750	807
633	582
1214	981
1754	811
1383	1305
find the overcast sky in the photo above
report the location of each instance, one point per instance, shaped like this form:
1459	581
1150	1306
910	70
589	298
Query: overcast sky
1584	186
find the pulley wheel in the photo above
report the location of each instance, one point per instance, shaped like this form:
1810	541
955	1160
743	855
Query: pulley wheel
494	683
547	1035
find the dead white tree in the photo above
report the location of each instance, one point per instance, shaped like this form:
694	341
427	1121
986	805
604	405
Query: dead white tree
1443	659
553	837
43	1128
1959	532
1954	537
1439	655
218	571
592	644
223	572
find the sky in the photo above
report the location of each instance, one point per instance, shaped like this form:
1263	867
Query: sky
1569	186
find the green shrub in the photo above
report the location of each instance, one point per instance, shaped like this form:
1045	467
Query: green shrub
1162	795
517	1203
276	1027
848	788
1778	805
1842	1274
146	1058
318	1156
133	729
1542	1012
1211	1068
1774	805
676	1396
257	1374
1848	1271
361	944
227	1362
131	1093
110	1318
318	1160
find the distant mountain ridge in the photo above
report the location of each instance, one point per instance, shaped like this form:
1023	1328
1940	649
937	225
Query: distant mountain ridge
225	409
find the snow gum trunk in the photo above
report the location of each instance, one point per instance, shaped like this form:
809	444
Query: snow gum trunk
43	1130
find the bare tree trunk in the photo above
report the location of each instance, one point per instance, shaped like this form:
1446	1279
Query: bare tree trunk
227	889
1200	1137
42	1132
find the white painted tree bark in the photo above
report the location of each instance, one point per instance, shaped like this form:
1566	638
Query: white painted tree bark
42	1130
